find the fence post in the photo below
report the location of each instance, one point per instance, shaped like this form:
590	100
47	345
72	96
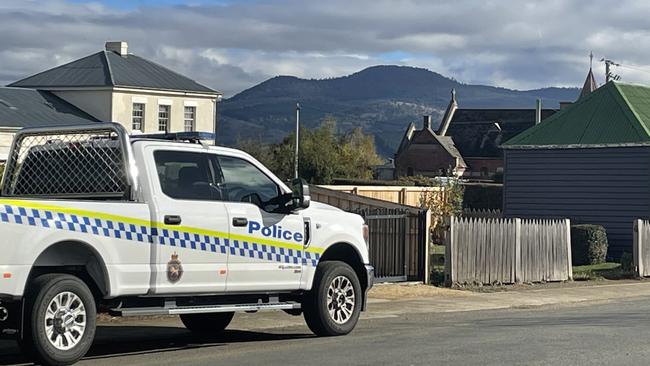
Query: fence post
427	243
518	250
568	246
450	256
637	247
407	244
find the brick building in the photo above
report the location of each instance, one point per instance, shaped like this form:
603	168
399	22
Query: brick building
466	143
423	152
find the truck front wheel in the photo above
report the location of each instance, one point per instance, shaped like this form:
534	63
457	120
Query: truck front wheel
60	319
206	323
333	305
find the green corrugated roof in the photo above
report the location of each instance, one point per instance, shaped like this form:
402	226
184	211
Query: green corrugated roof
613	114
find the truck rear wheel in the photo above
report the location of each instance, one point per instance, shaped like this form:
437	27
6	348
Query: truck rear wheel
207	323
333	305
60	319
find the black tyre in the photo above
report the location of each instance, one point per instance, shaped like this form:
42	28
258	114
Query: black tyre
60	319
207	323
333	305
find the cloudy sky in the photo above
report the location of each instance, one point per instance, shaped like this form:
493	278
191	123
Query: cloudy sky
232	45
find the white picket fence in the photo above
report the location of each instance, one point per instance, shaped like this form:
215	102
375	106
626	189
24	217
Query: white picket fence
489	250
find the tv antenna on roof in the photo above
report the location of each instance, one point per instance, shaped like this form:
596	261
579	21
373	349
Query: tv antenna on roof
608	74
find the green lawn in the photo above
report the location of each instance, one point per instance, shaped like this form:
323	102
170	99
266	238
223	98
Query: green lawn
603	271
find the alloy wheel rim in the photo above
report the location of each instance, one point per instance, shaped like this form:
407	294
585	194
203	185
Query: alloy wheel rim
65	320
341	300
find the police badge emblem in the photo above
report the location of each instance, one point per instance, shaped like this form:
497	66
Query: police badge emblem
174	269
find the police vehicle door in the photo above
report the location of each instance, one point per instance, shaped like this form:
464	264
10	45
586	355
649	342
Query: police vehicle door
190	246
265	246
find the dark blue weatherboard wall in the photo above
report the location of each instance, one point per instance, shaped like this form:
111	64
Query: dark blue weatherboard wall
606	186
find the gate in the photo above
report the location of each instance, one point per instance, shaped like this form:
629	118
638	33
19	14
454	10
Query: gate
396	243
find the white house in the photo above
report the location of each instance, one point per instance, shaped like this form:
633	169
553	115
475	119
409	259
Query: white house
118	86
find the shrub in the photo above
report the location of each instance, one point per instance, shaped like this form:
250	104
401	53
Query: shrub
627	262
483	196
588	244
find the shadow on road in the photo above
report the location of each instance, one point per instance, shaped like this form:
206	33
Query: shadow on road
116	341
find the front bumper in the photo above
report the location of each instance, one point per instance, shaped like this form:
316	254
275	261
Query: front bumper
11	315
370	277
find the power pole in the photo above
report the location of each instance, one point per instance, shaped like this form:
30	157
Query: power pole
295	162
608	74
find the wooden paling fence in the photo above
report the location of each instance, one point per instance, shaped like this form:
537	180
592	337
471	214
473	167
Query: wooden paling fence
641	247
403	195
398	233
489	250
471	212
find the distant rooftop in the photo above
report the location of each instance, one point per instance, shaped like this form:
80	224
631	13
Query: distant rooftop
113	66
477	133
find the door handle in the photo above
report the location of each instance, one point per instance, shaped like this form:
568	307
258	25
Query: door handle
239	221
172	220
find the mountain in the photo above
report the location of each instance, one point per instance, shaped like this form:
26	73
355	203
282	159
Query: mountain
382	100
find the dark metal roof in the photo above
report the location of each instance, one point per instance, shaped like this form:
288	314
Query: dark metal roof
20	107
107	68
479	132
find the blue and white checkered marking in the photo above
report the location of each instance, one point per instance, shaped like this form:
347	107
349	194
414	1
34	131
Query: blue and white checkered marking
146	234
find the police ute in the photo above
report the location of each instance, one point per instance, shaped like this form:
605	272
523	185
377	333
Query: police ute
94	220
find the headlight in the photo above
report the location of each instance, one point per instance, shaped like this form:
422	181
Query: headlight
366	233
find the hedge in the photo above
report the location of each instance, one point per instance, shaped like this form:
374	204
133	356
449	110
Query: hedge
588	244
483	196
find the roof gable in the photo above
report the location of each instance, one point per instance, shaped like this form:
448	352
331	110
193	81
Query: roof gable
107	68
613	114
426	136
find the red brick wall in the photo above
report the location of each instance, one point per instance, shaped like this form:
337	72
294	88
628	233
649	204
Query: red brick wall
475	164
424	159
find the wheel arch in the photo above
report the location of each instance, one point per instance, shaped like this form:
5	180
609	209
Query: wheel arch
77	258
347	253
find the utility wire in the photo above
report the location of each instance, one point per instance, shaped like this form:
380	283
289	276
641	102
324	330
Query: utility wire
635	67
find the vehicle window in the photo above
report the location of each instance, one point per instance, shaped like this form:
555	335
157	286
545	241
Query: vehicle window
241	181
186	175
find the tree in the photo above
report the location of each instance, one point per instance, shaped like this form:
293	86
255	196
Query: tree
445	202
324	154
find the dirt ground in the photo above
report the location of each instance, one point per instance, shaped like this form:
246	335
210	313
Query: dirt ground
394	291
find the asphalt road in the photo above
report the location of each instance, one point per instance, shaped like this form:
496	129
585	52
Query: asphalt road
609	333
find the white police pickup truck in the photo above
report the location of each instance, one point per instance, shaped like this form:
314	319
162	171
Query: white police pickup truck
93	220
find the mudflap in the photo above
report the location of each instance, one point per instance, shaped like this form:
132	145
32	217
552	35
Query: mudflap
11	318
370	276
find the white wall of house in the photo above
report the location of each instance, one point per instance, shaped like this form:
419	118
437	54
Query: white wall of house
123	101
6	137
116	105
97	103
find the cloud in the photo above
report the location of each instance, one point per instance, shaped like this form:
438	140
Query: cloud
233	45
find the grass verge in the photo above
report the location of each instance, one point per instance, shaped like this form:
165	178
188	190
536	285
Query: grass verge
602	271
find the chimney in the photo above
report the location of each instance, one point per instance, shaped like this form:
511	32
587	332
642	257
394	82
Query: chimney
538	111
427	122
119	47
565	104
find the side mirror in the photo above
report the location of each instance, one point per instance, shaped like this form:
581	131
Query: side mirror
300	193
